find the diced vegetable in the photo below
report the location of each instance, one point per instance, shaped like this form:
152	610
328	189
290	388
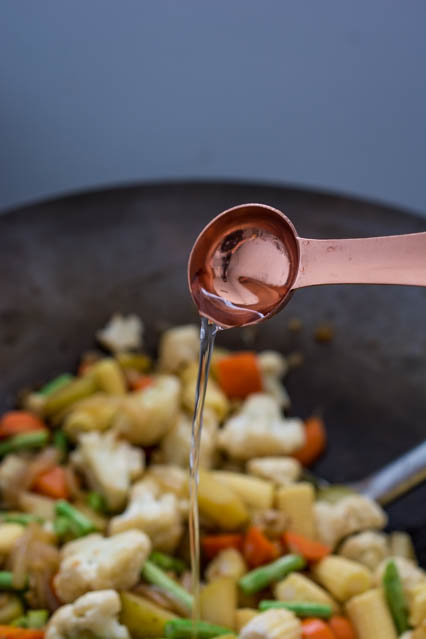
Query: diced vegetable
297	502
135	361
52	483
6	580
142	617
141	382
300	608
257	548
370	615
261	577
17	422
154	575
60	441
239	374
309	549
11	632
254	492
342	577
70	394
220	504
56	384
9	535
97	502
218	602
316	629
109	377
37	506
167	562
80	524
33	619
243	616
62	527
342	627
10	608
25	441
186	629
213	544
401	545
316	439
395	597
298	587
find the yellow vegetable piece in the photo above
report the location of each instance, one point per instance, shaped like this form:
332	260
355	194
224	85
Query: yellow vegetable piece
297	587
142	617
243	616
219	503
401	545
342	577
95	413
134	361
256	493
109	376
9	534
218	602
370	616
68	395
10	608
297	502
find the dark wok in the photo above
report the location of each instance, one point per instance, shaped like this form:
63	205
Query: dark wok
67	264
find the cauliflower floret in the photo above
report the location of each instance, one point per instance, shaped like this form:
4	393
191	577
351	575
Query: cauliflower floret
157	514
259	430
369	548
176	445
272	624
171	479
94	614
281	470
109	465
96	413
227	563
96	563
349	515
146	416
178	347
410	574
122	333
272	367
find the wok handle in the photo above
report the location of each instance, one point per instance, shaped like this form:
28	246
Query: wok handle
396	478
396	259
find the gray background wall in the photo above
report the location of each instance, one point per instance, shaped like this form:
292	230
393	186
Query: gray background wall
326	93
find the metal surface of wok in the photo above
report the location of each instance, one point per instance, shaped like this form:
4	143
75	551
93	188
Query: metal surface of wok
66	265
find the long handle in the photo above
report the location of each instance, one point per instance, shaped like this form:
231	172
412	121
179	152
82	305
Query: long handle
396	478
396	259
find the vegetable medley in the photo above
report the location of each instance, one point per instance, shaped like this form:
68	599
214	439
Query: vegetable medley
94	509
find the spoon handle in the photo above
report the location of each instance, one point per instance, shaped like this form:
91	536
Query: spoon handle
396	478
396	259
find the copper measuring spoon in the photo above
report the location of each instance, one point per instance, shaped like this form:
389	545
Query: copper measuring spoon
248	261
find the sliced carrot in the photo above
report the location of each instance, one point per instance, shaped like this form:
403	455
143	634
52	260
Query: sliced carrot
342	627
239	374
316	629
140	382
309	549
10	632
52	483
316	439
16	422
213	544
257	548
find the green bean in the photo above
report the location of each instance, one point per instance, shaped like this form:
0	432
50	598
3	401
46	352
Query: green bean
33	439
60	441
35	619
187	628
261	577
167	562
79	522
155	576
6	581
97	502
70	394
395	597
21	518
56	384
61	526
300	608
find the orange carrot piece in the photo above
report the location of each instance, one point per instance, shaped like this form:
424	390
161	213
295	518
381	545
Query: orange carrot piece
342	627
213	544
258	549
52	483
16	422
316	439
309	549
239	374
141	382
10	632
316	629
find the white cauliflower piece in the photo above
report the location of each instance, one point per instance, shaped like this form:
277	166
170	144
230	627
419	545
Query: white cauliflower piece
273	366
146	416
349	515
94	614
122	333
368	548
260	430
109	464
176	445
156	514
272	624
410	574
172	479
227	563
178	347
98	563
281	470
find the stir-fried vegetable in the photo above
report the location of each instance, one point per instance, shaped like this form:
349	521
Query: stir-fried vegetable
395	597
25	441
78	522
261	577
154	575
300	608
186	628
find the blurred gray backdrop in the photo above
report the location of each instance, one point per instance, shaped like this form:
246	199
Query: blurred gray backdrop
323	93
